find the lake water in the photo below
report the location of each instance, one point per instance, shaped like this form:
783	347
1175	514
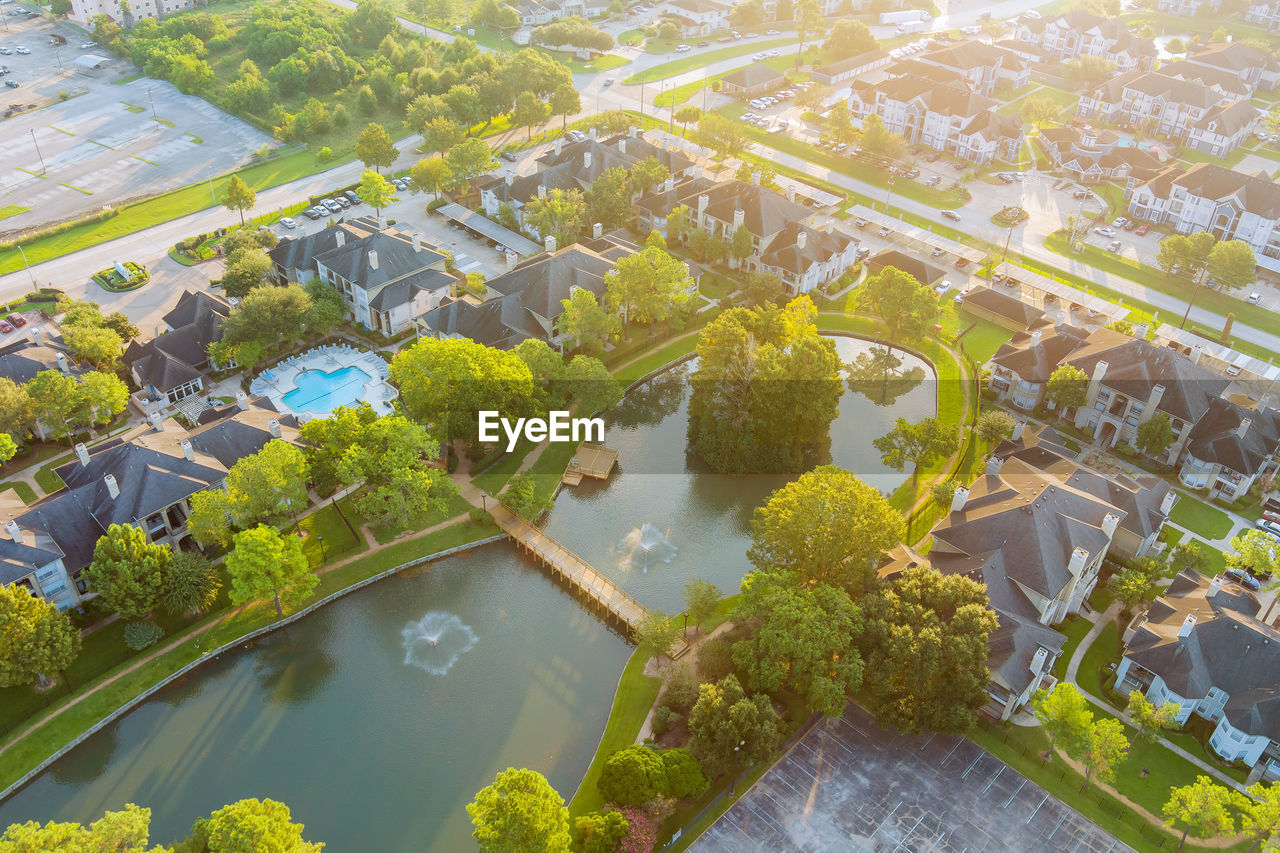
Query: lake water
379	717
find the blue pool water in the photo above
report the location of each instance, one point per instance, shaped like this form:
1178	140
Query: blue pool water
320	393
1127	142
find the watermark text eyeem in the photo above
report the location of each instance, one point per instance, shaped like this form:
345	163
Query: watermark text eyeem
557	427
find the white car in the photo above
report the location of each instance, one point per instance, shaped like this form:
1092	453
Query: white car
23	50
1119	222
288	222
772	33
961	295
1106	232
683	48
1033	14
1254	298
89	44
1268	526
943	287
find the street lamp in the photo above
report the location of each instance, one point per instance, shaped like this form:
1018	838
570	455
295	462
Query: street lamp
324	553
43	169
686	624
733	784
484	501
888	195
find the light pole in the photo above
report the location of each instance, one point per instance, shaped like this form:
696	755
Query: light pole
153	105
324	553
28	266
43	170
686	624
57	54
888	194
1006	245
733	784
484	501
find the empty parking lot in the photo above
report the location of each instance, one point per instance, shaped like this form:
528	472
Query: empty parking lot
102	144
854	787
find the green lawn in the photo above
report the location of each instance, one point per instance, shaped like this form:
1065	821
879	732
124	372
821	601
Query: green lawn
47	478
12	210
982	341
25	492
492	480
700	58
1199	517
338	537
455	506
1075	628
1105	650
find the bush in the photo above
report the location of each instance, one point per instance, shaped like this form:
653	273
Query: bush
452	463
324	155
480	516
663	719
632	776
681	692
715	661
141	635
685	779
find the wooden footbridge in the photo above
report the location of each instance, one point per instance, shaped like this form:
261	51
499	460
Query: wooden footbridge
603	594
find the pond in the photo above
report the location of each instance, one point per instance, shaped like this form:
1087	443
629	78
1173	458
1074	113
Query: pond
377	718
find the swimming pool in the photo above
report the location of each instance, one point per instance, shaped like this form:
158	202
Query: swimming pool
320	392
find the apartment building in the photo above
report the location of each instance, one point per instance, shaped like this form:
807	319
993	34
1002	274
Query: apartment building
1079	33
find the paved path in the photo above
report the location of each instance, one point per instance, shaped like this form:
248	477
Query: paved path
1100	622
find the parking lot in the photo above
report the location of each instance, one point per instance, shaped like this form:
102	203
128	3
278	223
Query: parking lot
101	145
850	786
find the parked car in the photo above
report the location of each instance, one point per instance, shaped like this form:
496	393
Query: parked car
961	295
1082	194
608	83
352	197
1011	282
17	320
1131	225
344	202
951	214
12	84
1253	298
862	252
942	287
331	205
288	222
1242	578
312	214
1119	222
704	44
884	232
1114	247
861	223
683	48
1005	179
771	32
4	51
1105	231
937	251
961	263
1143	229
5	326
25	51
1269	516
1268	526
89	44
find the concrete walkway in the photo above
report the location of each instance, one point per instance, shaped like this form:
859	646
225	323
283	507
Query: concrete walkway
1100	622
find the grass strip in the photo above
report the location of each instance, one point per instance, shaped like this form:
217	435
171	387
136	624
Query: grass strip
73	187
13	210
700	59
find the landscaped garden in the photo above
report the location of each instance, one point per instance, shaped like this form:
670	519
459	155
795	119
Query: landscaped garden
122	277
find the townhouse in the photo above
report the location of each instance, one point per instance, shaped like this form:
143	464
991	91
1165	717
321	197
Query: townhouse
171	369
1230	449
537	12
1091	156
1203	646
1264	15
387	277
1079	33
941	111
697	18
1187	8
1228	204
983	66
1199	116
125	12
21	360
143	478
1255	68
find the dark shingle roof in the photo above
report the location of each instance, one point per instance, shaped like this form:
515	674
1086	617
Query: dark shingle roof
1009	307
1216	437
918	269
1037	363
18	560
1135	367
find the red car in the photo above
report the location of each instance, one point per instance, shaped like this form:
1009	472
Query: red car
961	263
6	326
17	320
1143	229
1272	516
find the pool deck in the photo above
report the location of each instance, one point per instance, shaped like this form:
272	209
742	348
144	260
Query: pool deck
277	381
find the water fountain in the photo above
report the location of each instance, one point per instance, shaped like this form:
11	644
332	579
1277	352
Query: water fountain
645	546
436	641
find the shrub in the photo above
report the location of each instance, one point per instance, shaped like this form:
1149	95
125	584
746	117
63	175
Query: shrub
685	779
681	692
632	776
480	516
452	463
663	719
141	635
715	660
324	155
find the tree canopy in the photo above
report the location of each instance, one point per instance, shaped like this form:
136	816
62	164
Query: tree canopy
919	444
265	563
909	308
128	572
730	730
36	639
519	812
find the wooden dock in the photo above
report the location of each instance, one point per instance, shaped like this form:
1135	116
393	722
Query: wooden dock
604	595
591	460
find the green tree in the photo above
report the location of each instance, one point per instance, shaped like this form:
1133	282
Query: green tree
583	320
520	813
700	599
529	111
100	397
721	135
761	288
97	345
646	174
1189	554
561	214
657	632
729	730
192	584
441	134
1065	715
125	831
1232	264
374	147
647	286
848	37
246	269
919	444
444	383
925	636
994	426
373	20
837	124
600	832
880	140
1130	586
268	485
1067	388
327	308
52	398
468	160
687	115
431	176
590	384
565	102
1040	111
1151	720
264	563
238	196
879	375
741	246
375	190
685	779
1202	809
609	199
848	526
16	412
523	497
1105	747
36	639
267	317
1188	254
908	307
808	23
680	224
799	638
128	572
943	493
1253	550
1155	435
8	447
632	776
1260	814
253	826
1088	72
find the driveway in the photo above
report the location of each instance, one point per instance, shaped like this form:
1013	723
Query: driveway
851	786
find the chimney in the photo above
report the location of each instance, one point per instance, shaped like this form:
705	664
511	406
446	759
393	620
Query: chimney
340	237
1091	396
1196	352
113	488
586	160
739	217
1038	660
1187	625
633	131
157	421
273	427
801	239
1035	338
597	231
14	531
593	132
417	243
82	453
1078	558
1166	505
549	244
559	145
1153	403
1214	586
373	260
1243	429
622	146
233	302
755	178
187	450
510	179
959	499
512	260
542	191
1140	331
791	193
994	464
703	201
669	185
1018	428
35	337
1109	524
242	401
62	363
